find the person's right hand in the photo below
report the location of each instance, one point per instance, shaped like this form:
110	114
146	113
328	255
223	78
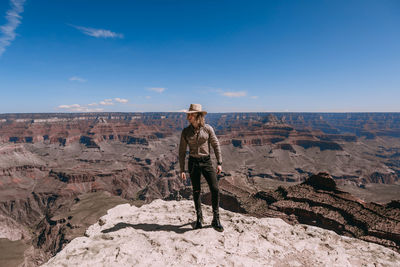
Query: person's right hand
183	176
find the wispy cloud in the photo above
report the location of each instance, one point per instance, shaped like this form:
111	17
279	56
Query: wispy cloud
77	79
157	89
13	18
98	33
234	94
78	108
89	107
121	100
231	94
111	102
70	106
107	102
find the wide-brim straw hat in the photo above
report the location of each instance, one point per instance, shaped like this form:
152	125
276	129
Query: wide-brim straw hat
195	108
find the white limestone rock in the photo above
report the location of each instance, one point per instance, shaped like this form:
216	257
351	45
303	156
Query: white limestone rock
160	234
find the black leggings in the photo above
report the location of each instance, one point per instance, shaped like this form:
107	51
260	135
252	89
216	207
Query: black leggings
198	166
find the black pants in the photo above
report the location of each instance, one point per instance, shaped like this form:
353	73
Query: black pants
198	166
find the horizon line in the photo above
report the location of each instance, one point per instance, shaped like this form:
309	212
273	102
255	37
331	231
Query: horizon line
224	112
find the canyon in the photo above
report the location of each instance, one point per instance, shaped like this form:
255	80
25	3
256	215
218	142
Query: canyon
60	172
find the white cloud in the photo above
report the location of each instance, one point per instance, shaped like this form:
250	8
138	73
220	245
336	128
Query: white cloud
148	97
234	94
121	100
98	33
13	18
78	108
88	107
70	106
254	97
106	103
157	89
78	79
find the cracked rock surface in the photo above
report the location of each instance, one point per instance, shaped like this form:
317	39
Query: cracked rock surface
161	234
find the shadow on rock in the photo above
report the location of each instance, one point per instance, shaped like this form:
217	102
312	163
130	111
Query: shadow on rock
150	227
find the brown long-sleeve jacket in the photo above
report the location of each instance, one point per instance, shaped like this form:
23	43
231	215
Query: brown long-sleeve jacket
199	144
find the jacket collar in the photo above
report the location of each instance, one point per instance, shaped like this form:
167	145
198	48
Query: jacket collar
194	129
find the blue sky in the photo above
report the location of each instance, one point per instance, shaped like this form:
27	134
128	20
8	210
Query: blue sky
129	56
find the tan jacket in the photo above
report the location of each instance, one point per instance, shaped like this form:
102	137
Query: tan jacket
199	144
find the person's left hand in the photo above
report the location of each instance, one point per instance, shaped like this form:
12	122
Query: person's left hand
219	169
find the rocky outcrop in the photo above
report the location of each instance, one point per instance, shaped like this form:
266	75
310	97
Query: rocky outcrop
318	202
322	181
154	234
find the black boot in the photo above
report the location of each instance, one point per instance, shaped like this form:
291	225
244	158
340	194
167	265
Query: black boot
197	206
199	221
216	224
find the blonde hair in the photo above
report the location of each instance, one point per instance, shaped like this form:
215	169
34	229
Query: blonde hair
199	117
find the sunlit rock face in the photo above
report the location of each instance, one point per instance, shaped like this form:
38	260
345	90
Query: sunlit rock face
161	234
47	161
361	148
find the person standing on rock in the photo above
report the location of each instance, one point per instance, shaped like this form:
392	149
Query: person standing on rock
199	136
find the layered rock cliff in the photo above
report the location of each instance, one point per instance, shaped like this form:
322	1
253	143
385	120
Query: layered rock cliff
48	161
318	202
312	142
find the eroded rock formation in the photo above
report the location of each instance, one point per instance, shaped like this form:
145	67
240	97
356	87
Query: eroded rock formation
318	202
47	161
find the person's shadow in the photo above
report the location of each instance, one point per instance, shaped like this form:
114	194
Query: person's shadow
151	227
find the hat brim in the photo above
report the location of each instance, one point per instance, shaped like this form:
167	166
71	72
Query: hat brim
190	112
